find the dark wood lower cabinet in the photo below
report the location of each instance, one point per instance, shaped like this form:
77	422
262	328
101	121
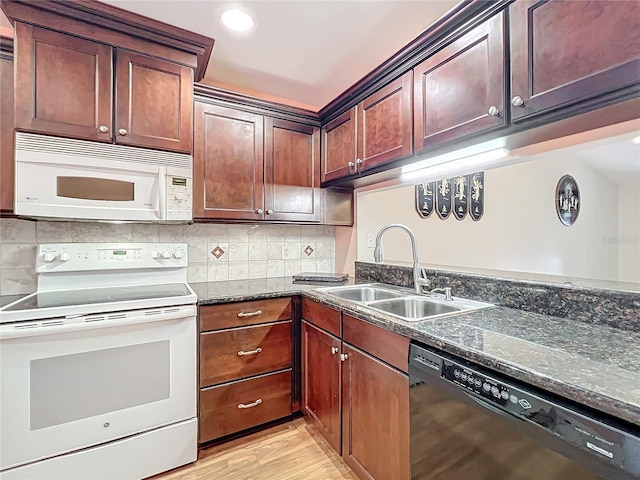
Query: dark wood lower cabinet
321	381
236	406
375	417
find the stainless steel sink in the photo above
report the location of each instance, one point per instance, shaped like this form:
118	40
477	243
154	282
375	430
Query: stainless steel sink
403	303
363	293
414	308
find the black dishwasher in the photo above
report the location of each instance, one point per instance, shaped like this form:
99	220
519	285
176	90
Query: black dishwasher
469	424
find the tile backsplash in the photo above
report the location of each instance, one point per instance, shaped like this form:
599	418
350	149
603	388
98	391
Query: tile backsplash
215	251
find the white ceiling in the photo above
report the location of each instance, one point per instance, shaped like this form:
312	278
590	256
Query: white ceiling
306	51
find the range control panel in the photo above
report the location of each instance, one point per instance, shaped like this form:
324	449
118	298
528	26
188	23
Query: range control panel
74	257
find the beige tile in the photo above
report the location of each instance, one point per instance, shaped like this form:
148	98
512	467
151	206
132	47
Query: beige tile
53	232
17	281
212	246
197	253
308	265
116	233
276	233
145	232
196	232
13	230
274	251
325	249
313	246
258	269
258	234
197	272
258	251
238	234
238	252
217	233
171	233
308	233
292	233
291	267
238	270
275	268
18	255
291	251
217	272
324	265
85	232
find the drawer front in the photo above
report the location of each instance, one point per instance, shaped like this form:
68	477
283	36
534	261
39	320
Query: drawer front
242	314
388	347
242	352
324	317
264	399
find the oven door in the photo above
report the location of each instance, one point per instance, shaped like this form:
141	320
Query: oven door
67	387
68	186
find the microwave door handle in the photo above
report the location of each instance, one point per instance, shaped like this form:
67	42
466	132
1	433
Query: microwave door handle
162	193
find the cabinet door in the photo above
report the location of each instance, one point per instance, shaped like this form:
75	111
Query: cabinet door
461	89
227	163
321	381
339	146
385	124
6	136
564	52
375	417
63	84
154	103
292	171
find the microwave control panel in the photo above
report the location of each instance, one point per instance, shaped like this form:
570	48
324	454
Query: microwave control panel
179	192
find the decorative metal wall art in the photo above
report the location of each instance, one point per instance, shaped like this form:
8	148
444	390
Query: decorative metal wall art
567	200
425	198
476	186
443	197
460	197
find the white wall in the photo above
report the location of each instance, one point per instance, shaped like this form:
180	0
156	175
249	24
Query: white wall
519	231
628	238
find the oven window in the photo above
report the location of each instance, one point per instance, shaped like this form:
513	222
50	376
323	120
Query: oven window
90	188
83	385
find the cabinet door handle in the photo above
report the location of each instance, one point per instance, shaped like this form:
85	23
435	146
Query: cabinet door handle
334	350
103	129
122	132
359	163
249	352
249	314
250	405
269	212
517	101
493	111
344	356
351	165
259	211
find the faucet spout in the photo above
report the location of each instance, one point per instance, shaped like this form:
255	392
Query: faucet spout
418	280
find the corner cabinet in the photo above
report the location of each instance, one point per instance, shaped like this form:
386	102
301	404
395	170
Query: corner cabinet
460	90
6	133
68	86
599	54
377	131
355	390
251	167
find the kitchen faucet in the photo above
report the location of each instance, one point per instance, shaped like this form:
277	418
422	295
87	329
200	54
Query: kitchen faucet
419	277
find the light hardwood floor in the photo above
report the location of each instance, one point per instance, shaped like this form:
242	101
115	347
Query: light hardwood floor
292	451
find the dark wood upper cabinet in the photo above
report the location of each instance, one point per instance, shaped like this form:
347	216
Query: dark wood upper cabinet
339	146
385	124
292	171
227	163
375	417
6	135
460	90
565	52
63	84
154	102
321	382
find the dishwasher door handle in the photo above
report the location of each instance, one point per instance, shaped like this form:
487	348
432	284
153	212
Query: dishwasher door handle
488	406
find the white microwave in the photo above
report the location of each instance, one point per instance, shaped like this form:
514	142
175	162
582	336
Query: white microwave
64	178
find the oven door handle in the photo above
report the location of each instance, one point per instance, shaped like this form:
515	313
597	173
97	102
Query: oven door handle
488	406
82	324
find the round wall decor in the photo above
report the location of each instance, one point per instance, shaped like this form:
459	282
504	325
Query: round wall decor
567	200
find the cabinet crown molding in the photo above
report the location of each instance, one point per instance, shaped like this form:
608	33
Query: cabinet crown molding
48	13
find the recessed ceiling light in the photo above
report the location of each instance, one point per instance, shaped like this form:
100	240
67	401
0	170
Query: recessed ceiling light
237	20
636	140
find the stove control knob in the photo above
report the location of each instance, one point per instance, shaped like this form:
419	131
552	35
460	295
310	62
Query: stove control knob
65	257
178	254
165	254
50	256
155	254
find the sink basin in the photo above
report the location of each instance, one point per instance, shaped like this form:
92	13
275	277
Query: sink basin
363	293
414	308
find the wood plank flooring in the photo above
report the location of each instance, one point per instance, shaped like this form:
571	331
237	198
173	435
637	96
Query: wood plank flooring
291	451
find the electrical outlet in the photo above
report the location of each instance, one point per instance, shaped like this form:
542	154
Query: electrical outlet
371	241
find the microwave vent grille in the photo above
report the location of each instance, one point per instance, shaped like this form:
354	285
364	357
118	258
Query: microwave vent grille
29	142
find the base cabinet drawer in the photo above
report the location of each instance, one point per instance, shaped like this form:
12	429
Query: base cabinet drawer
236	406
242	352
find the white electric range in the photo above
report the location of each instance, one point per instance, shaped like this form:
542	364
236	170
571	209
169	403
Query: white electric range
98	367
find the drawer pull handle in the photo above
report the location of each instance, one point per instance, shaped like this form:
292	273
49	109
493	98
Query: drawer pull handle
250	314
250	352
250	405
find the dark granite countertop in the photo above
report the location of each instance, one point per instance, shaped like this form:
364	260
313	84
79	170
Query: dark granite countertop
594	365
